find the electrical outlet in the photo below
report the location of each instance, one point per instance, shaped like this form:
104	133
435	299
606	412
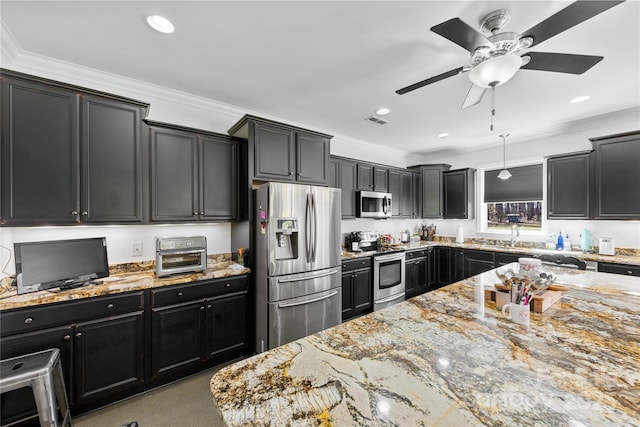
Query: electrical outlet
136	249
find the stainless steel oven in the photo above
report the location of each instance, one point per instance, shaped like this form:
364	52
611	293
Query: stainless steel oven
180	255
388	279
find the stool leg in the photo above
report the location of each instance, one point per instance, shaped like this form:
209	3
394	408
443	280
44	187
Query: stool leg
61	396
45	402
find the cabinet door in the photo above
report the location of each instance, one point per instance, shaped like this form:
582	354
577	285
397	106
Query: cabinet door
275	153
421	275
617	178
626	269
504	258
415	196
334	173
347	295
40	149
111	161
347	173
432	203
176	338
312	159
381	179
174	175
568	189
365	177
108	356
218	175
226	327
395	188
432	268
19	404
406	194
457	192
443	270
362	289
411	279
457	264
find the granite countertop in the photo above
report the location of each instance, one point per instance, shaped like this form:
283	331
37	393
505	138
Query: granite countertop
622	256
449	357
122	278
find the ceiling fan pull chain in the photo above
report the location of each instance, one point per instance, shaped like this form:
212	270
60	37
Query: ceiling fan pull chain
493	104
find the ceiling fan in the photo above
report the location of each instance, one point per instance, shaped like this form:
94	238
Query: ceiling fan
495	58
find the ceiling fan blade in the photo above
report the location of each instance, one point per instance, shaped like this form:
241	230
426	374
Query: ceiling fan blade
430	80
461	34
560	62
568	17
474	96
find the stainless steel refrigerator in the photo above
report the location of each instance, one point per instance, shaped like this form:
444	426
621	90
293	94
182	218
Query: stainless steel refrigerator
297	262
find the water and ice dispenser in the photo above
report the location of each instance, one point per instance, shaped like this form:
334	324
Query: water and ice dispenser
286	238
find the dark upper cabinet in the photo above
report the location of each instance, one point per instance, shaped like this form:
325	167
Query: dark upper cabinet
395	188
283	153
372	177
218	177
193	176
617	176
365	177
345	180
400	187
569	186
112	161
416	207
334	179
69	156
431	184
459	190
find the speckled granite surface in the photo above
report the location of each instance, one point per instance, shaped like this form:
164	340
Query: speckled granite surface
122	278
622	256
449	358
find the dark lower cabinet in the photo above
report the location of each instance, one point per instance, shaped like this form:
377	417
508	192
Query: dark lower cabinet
416	273
197	325
476	262
626	269
357	287
108	356
443	267
502	258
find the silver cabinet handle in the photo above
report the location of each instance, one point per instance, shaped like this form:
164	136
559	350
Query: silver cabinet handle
109	306
28	320
201	308
67	337
629	272
85	213
209	306
309	301
74	213
180	294
79	334
228	285
301	279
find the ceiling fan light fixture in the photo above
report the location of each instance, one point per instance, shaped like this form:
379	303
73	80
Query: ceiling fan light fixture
498	69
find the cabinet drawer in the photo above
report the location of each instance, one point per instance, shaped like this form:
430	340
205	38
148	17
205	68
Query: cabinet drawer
419	253
626	269
33	318
199	290
355	264
479	255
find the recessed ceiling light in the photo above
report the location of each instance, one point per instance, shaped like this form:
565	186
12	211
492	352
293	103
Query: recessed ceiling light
579	99
443	135
383	111
160	24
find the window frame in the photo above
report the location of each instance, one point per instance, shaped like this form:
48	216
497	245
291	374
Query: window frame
481	206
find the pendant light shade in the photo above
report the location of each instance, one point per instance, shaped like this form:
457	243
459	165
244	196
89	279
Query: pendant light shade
504	173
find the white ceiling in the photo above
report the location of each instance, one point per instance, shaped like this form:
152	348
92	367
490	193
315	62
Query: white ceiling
329	64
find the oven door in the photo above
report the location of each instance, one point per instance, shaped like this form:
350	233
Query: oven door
171	262
388	275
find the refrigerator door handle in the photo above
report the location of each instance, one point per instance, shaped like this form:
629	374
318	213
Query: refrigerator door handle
302	279
305	302
314	242
307	228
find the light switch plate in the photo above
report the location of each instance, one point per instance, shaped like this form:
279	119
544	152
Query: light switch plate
136	249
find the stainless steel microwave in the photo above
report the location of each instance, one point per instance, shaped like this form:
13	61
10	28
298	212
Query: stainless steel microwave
373	204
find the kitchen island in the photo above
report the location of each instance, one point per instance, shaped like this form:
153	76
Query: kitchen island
450	358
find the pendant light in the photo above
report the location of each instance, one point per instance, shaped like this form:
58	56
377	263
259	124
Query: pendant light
504	173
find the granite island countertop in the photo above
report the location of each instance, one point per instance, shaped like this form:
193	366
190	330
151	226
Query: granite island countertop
448	358
122	278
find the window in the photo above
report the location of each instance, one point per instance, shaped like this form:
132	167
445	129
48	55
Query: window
517	200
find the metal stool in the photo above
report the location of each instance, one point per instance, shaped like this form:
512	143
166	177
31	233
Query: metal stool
41	371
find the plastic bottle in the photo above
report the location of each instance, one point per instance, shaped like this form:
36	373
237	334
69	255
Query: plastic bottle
560	243
566	243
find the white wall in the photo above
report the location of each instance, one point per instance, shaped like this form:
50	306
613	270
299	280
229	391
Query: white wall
119	239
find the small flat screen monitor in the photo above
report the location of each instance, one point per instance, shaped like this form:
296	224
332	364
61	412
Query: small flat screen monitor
60	263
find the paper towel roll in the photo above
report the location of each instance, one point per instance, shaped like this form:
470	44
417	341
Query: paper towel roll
459	235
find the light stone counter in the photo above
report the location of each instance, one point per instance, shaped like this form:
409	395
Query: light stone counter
122	278
449	358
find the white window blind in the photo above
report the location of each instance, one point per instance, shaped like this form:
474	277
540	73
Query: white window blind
524	185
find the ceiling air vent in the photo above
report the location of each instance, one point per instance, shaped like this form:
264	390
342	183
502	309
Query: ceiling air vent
376	120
